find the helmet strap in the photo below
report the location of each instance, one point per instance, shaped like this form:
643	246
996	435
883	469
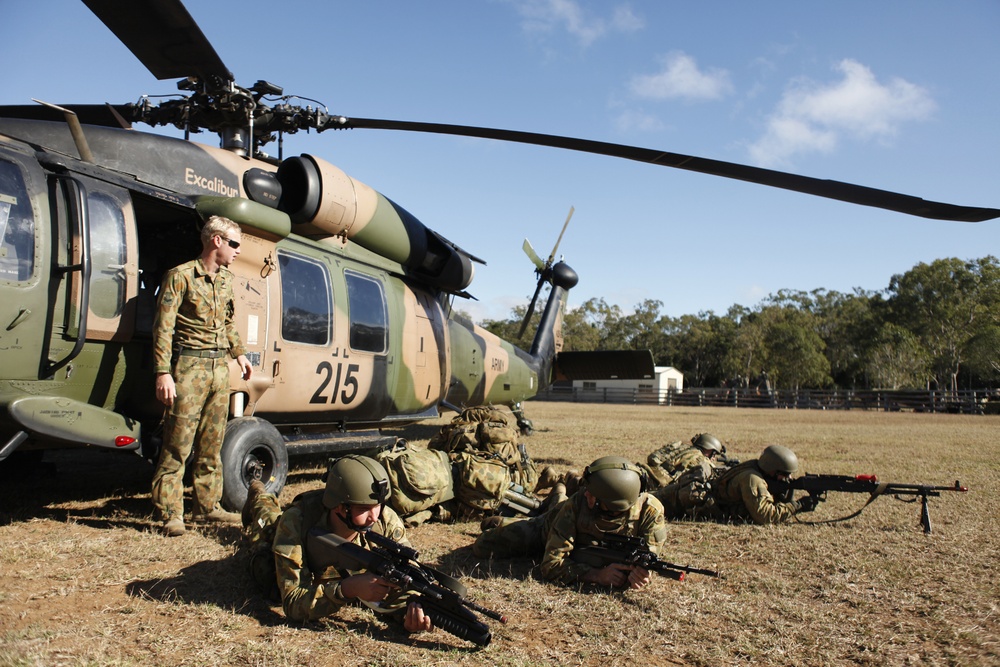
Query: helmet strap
348	518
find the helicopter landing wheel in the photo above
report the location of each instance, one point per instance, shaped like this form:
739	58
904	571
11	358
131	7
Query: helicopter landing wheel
252	449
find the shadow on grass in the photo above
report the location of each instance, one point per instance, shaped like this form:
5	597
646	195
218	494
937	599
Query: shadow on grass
462	562
78	484
220	583
225	584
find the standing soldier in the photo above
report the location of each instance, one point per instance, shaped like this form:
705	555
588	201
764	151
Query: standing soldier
193	338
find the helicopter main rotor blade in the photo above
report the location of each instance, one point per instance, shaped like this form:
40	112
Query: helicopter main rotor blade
163	36
89	114
847	192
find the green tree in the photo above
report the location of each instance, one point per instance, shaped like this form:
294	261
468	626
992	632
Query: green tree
794	350
946	304
848	324
697	345
897	360
781	341
982	364
644	329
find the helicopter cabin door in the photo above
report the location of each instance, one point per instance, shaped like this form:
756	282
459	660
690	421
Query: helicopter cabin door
24	288
105	234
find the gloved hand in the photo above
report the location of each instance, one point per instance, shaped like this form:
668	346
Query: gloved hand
808	503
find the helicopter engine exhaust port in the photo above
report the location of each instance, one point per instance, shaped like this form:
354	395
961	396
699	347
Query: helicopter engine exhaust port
322	200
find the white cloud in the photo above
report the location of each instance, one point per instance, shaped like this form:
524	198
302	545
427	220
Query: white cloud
630	121
813	117
568	15
625	20
680	78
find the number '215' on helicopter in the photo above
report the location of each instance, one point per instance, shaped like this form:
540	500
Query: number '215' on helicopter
344	300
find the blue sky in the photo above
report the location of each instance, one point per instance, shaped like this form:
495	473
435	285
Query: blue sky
897	95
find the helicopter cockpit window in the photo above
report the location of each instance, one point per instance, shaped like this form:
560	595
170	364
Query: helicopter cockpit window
17	226
305	300
108	250
369	324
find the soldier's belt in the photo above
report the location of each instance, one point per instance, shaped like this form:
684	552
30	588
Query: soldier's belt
204	354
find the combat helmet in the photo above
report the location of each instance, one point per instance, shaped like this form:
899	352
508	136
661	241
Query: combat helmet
615	482
709	442
355	480
777	459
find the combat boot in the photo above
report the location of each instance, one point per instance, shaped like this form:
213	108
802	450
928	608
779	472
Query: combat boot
174	526
547	478
257	488
217	515
572	480
418	518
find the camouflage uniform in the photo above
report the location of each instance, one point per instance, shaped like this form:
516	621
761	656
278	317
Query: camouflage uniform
571	524
307	595
690	492
195	314
741	494
668	469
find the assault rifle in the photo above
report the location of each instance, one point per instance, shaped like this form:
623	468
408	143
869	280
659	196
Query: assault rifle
442	597
723	460
817	486
632	551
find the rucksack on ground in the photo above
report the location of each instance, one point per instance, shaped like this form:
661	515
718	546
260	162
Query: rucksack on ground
420	479
480	481
480	429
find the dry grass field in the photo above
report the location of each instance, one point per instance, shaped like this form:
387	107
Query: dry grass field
85	579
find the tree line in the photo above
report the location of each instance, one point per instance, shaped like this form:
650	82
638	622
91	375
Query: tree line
936	326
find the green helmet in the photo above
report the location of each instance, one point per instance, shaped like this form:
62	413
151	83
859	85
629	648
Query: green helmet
709	442
614	481
355	480
777	459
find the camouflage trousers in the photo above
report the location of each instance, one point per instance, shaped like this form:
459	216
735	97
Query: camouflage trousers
264	515
195	426
512	538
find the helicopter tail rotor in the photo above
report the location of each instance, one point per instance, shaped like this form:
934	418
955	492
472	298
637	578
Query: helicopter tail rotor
543	269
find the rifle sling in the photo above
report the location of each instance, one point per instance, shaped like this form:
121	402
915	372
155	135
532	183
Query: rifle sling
879	490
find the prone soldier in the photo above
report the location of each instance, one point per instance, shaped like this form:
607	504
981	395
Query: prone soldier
667	463
351	505
746	491
611	499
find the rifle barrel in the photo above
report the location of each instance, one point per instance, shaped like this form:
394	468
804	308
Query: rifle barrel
693	570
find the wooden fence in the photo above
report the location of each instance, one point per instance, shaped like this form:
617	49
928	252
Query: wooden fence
962	402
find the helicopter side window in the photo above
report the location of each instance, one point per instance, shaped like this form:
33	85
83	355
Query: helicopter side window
108	249
305	300
369	323
17	225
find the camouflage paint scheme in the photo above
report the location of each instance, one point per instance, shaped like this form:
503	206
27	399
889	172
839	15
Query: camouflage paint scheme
99	390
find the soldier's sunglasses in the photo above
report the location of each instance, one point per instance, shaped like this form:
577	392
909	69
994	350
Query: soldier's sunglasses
232	244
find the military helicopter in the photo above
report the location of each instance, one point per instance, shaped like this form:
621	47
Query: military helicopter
345	301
